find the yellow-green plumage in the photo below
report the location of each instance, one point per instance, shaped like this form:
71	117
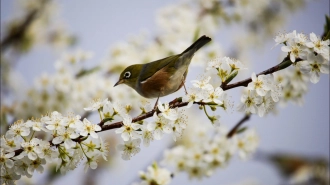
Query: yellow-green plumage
161	77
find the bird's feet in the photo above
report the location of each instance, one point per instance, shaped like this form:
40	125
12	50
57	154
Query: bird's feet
185	89
156	104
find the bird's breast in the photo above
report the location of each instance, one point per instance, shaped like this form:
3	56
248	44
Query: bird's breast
162	83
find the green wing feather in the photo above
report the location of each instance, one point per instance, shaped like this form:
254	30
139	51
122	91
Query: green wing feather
151	68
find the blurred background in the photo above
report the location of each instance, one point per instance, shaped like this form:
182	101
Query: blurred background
99	39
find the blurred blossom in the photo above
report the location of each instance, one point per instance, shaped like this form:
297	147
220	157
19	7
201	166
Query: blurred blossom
155	175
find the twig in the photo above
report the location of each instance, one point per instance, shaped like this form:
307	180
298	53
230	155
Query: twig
284	64
233	131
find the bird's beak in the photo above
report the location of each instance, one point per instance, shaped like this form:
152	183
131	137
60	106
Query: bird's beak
119	82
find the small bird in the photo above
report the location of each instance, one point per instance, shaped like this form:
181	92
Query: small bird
161	77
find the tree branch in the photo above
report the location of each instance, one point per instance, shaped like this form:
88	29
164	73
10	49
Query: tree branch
177	103
233	131
21	29
284	64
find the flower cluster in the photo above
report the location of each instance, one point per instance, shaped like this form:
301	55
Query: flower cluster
260	95
205	94
22	152
168	121
265	90
207	153
227	68
314	53
155	175
298	45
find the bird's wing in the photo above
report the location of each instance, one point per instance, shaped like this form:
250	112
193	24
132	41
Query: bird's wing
151	68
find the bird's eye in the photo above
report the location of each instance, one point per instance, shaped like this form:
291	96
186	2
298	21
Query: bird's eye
127	74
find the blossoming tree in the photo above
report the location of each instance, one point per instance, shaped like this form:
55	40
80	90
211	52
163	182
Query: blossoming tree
53	123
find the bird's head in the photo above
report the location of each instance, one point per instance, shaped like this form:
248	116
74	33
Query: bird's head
130	75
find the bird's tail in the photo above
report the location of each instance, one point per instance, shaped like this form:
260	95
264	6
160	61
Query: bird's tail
197	44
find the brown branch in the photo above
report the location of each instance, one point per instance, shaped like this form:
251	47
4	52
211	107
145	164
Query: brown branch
143	116
284	64
176	103
233	131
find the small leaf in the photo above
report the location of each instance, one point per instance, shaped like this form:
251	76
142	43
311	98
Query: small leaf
286	63
241	130
326	31
213	108
230	77
87	71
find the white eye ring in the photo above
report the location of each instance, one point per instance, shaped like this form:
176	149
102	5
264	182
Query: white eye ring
127	74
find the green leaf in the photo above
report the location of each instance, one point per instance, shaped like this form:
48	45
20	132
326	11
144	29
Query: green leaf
87	71
286	63
230	77
213	108
241	130
326	31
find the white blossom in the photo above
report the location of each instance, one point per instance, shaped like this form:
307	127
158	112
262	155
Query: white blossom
167	112
155	175
89	128
249	102
90	162
29	149
281	38
267	104
214	95
319	46
73	121
22	165
203	83
96	105
128	130
18	129
66	136
178	126
224	70
44	151
234	64
36	165
159	126
54	122
260	84
108	109
296	51
247	143
194	95
146	135
5	159
314	65
129	148
216	153
103	149
36	125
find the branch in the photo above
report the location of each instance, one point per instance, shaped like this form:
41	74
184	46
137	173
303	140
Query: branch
174	104
21	29
284	64
233	131
177	103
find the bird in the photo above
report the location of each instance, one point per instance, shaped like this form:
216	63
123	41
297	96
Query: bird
161	77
